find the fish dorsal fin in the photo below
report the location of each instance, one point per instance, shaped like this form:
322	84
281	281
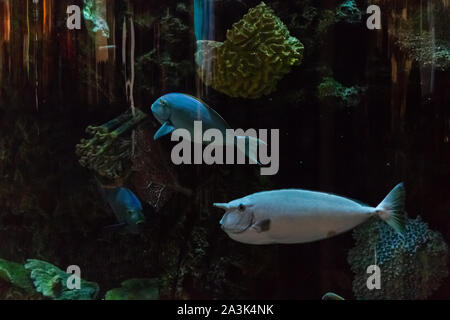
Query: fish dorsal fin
198	99
324	192
214	112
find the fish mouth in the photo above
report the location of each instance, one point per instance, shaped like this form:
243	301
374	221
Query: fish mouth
242	221
240	226
235	230
160	109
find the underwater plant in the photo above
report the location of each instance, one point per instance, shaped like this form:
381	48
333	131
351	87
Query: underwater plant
92	15
135	289
257	53
411	267
106	151
52	282
38	279
18	280
348	12
414	36
426	50
330	89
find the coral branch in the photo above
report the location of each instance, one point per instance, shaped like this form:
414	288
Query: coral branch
107	150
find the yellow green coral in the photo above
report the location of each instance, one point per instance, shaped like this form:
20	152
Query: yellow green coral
257	53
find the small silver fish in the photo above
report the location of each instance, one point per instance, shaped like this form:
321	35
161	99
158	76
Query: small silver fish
300	216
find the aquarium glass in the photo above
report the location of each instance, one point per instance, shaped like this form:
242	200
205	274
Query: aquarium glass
123	175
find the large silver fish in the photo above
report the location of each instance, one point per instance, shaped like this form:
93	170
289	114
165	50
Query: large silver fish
299	216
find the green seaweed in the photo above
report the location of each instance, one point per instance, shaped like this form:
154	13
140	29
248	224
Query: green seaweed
135	289
52	282
92	15
428	47
348	12
329	88
16	274
424	49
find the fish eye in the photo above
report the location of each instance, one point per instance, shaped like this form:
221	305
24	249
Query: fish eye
241	207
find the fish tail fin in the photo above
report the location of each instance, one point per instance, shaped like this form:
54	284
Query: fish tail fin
391	209
249	146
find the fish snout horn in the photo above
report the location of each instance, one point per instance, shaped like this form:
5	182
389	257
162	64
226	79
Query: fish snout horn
223	206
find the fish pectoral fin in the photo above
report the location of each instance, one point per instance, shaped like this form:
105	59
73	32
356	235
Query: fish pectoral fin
261	226
166	128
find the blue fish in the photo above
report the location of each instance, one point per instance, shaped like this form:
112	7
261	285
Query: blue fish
126	207
178	110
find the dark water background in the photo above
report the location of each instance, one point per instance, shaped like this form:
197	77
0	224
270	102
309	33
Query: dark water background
50	208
